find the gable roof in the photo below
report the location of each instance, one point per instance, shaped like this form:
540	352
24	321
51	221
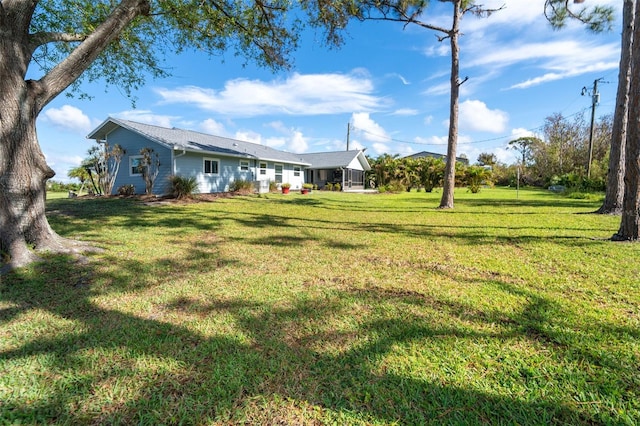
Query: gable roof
337	159
189	140
422	154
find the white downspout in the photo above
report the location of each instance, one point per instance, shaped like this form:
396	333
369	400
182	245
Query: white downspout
175	148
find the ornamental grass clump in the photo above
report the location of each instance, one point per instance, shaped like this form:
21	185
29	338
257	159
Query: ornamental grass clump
183	187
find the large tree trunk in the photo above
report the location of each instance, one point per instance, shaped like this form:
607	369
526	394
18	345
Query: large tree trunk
630	222
615	177
23	175
449	184
23	169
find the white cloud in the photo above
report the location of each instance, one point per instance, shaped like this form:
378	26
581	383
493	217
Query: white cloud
146	116
292	140
69	118
368	129
439	89
213	127
400	77
506	155
476	116
521	133
437	49
275	142
298	142
310	94
248	136
428	119
405	112
432	140
380	148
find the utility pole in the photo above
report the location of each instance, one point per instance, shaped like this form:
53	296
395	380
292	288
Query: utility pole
348	130
595	99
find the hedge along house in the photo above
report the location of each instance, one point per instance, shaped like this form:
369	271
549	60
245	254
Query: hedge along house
214	161
344	167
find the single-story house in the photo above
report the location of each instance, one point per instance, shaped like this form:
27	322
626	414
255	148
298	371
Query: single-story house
216	162
344	167
421	154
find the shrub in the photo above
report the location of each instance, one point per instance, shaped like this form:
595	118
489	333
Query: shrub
337	187
242	186
328	186
396	186
126	190
273	186
183	187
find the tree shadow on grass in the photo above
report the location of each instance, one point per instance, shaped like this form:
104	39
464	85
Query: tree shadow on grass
116	367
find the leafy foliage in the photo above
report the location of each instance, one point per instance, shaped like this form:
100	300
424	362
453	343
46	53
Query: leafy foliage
598	18
266	33
476	176
102	165
241	185
183	187
126	190
149	167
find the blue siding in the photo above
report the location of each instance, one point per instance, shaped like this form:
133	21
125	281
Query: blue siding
192	164
133	143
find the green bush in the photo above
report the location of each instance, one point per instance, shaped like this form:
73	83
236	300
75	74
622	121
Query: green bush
337	187
241	185
273	186
183	187
396	186
126	190
328	186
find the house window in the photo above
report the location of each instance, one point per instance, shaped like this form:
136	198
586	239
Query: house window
244	165
135	165
263	168
296	170
210	166
279	168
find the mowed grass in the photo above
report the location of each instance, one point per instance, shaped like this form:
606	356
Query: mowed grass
328	308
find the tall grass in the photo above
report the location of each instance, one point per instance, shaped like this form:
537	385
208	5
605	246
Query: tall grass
333	308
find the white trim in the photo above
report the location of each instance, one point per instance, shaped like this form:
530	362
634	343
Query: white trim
261	169
248	165
134	157
212	160
275	173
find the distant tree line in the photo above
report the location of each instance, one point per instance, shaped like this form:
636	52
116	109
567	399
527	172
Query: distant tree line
557	157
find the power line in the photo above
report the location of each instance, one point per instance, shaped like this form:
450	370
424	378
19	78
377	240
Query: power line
390	139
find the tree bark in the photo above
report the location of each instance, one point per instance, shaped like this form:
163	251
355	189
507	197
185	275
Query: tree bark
23	168
449	183
615	177
630	220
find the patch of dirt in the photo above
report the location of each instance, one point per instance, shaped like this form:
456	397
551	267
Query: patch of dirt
167	199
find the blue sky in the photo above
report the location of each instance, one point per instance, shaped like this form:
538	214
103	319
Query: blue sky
389	82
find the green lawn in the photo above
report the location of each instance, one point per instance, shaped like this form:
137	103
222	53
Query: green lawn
328	308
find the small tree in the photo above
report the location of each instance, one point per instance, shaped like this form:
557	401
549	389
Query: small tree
431	172
524	146
79	173
476	176
102	165
149	167
487	159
